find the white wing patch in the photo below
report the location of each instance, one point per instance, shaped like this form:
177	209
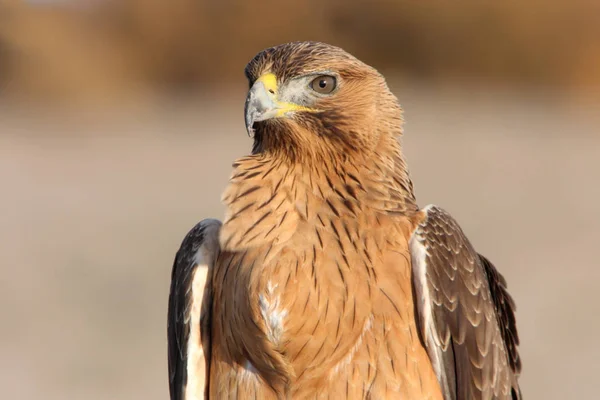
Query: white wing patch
419	254
194	388
272	313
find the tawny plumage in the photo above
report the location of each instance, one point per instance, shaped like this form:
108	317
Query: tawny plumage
325	279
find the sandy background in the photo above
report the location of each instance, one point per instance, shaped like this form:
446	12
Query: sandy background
94	207
120	119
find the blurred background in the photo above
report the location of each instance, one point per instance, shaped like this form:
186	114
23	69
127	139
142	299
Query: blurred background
119	121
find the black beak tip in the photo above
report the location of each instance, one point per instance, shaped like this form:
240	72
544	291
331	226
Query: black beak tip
249	124
249	115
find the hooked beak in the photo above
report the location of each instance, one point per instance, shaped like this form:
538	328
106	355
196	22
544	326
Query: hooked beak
261	104
264	102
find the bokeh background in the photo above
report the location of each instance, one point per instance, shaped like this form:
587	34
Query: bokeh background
119	121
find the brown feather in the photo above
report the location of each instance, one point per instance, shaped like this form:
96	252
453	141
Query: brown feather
312	293
340	314
472	330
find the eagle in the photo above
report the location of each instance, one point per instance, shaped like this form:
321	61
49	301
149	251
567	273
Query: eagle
325	278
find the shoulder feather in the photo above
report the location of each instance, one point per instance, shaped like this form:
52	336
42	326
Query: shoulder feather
187	308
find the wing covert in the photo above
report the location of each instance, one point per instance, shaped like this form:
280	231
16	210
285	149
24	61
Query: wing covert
188	322
466	315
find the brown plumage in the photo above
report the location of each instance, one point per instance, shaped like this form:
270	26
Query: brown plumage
325	279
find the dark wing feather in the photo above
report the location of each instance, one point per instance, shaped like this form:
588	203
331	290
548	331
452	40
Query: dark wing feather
466	315
200	244
505	312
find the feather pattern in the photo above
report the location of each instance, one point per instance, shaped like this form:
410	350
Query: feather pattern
187	316
466	315
316	294
325	278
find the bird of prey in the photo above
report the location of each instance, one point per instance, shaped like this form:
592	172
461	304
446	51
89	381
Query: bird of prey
326	279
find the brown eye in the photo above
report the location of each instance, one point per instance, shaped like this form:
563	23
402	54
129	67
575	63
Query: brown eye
323	84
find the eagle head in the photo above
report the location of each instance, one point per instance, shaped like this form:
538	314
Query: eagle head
309	100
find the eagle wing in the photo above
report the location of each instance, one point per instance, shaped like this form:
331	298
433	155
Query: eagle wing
188	322
466	315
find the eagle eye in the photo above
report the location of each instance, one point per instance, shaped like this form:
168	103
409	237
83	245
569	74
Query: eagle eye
323	84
